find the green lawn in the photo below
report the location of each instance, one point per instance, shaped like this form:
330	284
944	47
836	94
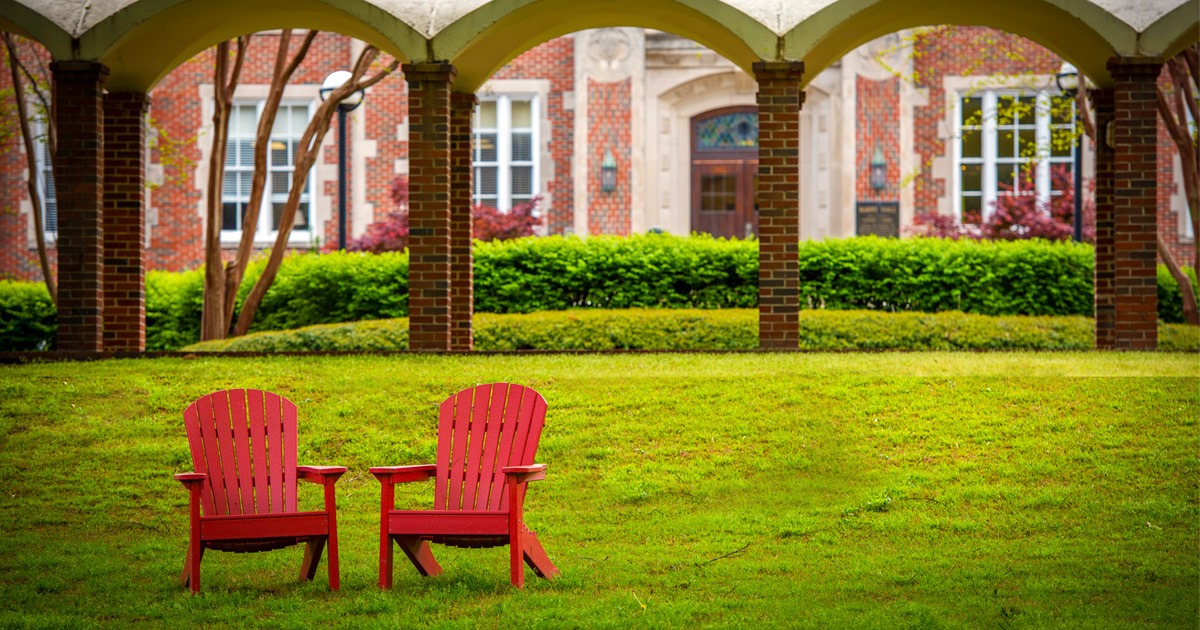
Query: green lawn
751	490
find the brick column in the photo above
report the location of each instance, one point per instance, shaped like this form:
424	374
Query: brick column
778	199
79	179
1104	281
124	221
462	280
429	204
1135	202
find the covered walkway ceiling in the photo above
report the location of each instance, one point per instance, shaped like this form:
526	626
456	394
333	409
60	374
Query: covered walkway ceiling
142	40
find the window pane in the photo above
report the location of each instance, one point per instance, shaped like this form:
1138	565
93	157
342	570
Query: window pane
522	147
229	187
301	221
718	193
230	211
972	110
972	210
279	152
972	177
245	149
522	114
280	182
1006	143
522	180
299	120
1028	142
485	180
1062	110
244	120
51	222
1006	109
487	115
485	147
972	143
1062	143
1006	176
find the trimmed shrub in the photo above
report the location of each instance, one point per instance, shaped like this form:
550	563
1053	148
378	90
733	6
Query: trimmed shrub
641	271
173	305
731	329
28	319
1170	297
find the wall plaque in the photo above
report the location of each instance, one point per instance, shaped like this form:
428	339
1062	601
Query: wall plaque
881	218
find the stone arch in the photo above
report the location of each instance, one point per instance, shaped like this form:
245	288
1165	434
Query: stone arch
1173	32
484	40
144	41
1086	35
20	19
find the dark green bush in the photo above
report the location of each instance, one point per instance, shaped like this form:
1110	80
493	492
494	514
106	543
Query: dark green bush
729	329
27	317
649	270
173	305
1170	298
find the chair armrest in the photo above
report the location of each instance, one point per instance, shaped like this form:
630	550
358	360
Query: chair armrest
318	474
522	474
191	478
404	474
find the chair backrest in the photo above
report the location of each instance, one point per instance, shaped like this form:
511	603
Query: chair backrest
245	440
482	429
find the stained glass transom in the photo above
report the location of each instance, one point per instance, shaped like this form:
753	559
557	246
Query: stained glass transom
738	130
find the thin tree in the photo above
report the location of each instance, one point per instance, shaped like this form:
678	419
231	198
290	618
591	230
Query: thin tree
225	80
285	67
19	73
306	155
1175	110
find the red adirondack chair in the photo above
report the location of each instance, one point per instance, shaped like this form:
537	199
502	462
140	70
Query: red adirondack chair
487	439
243	445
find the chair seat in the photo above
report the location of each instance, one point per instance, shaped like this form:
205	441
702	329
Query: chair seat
263	527
431	523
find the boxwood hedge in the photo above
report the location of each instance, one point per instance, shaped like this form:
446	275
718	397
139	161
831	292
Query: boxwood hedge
729	329
643	271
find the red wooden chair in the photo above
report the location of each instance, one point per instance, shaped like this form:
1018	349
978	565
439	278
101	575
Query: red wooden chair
243	445
487	438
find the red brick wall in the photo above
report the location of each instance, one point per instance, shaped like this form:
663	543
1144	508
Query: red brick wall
553	61
878	121
609	119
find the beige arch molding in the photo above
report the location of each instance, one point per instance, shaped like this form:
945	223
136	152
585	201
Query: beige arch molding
142	40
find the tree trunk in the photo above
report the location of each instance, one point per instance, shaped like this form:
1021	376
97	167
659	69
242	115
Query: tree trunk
1190	313
310	145
1174	111
35	199
212	319
284	69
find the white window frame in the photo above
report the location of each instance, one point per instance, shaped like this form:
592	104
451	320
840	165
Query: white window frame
990	158
47	192
265	232
504	163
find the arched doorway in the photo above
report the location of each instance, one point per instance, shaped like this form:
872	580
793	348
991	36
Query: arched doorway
725	172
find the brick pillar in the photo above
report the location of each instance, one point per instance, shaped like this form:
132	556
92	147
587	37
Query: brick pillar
1106	236
124	221
79	179
778	198
1135	202
462	280
429	204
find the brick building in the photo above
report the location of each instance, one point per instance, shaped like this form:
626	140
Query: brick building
674	123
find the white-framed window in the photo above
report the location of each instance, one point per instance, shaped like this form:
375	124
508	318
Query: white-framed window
1008	143
290	123
45	180
505	150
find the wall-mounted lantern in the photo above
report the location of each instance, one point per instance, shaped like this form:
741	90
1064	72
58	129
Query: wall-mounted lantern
878	170
608	173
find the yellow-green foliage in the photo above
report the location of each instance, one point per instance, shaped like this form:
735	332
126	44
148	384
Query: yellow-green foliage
726	329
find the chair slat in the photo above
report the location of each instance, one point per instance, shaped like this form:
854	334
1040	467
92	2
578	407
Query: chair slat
462	425
489	474
271	412
241	443
258	449
191	421
478	419
508	424
288	413
227	493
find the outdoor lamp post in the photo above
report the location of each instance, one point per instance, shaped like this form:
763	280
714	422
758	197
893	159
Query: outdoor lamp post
1069	83
348	104
878	170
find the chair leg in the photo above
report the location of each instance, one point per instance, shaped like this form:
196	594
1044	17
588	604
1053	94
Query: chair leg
312	558
420	554
535	555
386	559
516	555
191	568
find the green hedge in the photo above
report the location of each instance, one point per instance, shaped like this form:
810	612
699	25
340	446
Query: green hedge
27	317
730	329
650	271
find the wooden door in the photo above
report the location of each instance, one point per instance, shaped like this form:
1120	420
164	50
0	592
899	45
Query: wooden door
725	172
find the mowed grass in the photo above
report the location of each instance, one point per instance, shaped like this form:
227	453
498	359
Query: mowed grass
751	490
